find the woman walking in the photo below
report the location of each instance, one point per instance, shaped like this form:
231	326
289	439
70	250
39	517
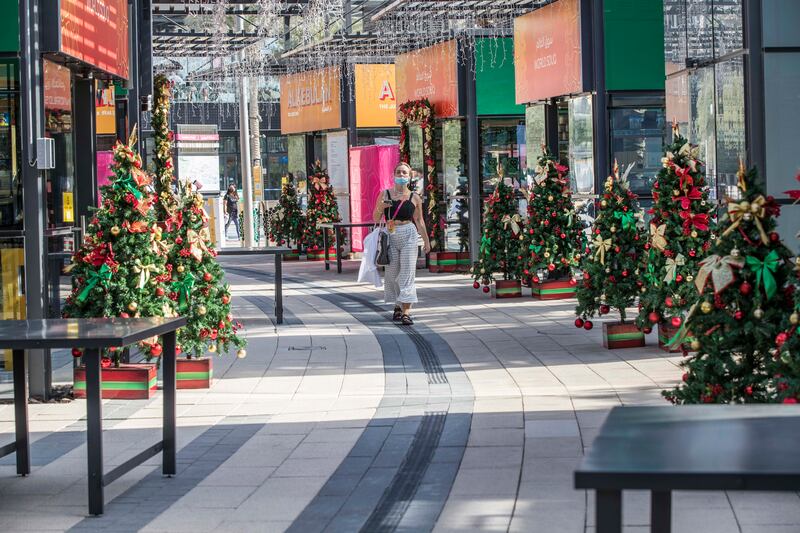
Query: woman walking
232	209
402	209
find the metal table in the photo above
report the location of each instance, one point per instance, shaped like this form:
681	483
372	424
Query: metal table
697	447
92	334
278	252
337	227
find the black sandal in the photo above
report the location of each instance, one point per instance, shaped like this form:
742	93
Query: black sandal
398	314
405	320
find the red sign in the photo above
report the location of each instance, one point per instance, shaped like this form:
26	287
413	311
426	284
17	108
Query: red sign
96	32
429	73
547	52
57	87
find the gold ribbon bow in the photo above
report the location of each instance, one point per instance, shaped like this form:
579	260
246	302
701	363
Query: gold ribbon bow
657	238
514	220
720	269
737	211
601	246
144	272
159	246
672	267
197	243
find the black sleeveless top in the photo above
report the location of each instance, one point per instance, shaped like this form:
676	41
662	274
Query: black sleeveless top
406	211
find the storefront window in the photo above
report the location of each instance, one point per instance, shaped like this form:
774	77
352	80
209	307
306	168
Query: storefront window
502	143
379	137
703	127
730	122
728	33
581	145
10	149
699	30
275	163
456	184
229	165
416	150
637	140
58	126
675	51
296	161
535	133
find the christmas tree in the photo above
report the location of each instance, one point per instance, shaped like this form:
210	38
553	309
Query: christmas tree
322	208
553	232
162	137
746	289
285	220
197	287
119	270
680	229
611	269
500	243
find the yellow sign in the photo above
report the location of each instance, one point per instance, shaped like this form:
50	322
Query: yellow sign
258	184
105	116
311	101
66	202
376	102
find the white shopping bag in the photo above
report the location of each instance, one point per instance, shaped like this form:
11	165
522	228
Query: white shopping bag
368	271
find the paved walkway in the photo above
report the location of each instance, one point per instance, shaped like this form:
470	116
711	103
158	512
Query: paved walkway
472	420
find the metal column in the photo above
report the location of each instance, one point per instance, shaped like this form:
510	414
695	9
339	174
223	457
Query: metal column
754	87
85	156
32	127
600	100
473	157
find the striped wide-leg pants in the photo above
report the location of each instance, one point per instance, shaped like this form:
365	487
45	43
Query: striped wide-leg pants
399	286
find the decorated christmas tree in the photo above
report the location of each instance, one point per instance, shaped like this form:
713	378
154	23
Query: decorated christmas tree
322	208
680	235
747	294
197	287
285	220
611	268
119	270
499	251
553	233
162	152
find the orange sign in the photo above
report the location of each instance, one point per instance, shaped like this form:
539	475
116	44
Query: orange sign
430	73
96	32
376	102
547	52
57	87
105	112
311	101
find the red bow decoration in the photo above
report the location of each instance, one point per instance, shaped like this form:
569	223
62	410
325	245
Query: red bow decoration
685	175
686	200
794	194
175	221
103	253
699	221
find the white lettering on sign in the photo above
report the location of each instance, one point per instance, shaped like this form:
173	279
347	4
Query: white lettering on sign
386	91
305	96
425	74
547	61
545	41
99	8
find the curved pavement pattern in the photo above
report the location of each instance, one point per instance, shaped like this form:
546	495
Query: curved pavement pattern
338	420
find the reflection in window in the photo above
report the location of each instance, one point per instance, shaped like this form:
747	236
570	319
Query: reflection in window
456	185
701	88
416	149
677	99
535	133
274	164
581	145
728	34
699	29
296	160
674	35
501	145
637	139
10	149
730	121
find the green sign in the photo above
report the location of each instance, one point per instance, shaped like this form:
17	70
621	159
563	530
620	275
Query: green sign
634	39
494	77
9	26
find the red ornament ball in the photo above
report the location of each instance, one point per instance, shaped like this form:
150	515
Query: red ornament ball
551	267
207	276
226	299
668	301
678	278
745	288
781	339
685	376
624	273
790	400
105	362
588	325
605	309
476	285
124	315
536	279
178	349
573	282
578	322
738	315
748	390
155	350
159	291
563	235
647	331
654	317
676	322
774	237
586	275
647	246
486	289
76	352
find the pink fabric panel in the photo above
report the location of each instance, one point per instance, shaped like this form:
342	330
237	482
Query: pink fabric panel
104	173
371	170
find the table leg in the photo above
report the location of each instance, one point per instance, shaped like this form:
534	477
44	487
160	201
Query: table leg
337	231
94	430
660	511
21	413
168	369
279	289
608	509
325	245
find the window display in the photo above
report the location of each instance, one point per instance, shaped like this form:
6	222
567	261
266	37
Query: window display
502	142
275	164
58	126
535	132
456	184
581	145
730	118
10	149
637	138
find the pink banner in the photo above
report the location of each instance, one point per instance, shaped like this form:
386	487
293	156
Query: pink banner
104	173
371	171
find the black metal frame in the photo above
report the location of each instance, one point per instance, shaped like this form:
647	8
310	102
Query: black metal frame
337	228
278	252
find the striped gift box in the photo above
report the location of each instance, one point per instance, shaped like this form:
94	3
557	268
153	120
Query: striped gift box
553	290
618	335
194	373
463	262
511	288
133	381
294	255
319	255
443	262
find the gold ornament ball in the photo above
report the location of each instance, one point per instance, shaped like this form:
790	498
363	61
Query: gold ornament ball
735	252
483	271
546	254
115	230
212	348
550	198
201	310
181	268
694	235
133	306
695	345
613	229
794	318
706	307
689	278
241	353
603	203
522	237
643	290
676	192
758	313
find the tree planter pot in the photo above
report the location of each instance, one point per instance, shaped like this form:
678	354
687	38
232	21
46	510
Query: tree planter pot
194	373
552	290
128	382
319	255
619	335
443	262
511	288
665	332
463	262
294	255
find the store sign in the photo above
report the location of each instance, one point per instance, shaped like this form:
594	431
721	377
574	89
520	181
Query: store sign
57	87
96	32
376	101
311	101
105	111
547	52
430	73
